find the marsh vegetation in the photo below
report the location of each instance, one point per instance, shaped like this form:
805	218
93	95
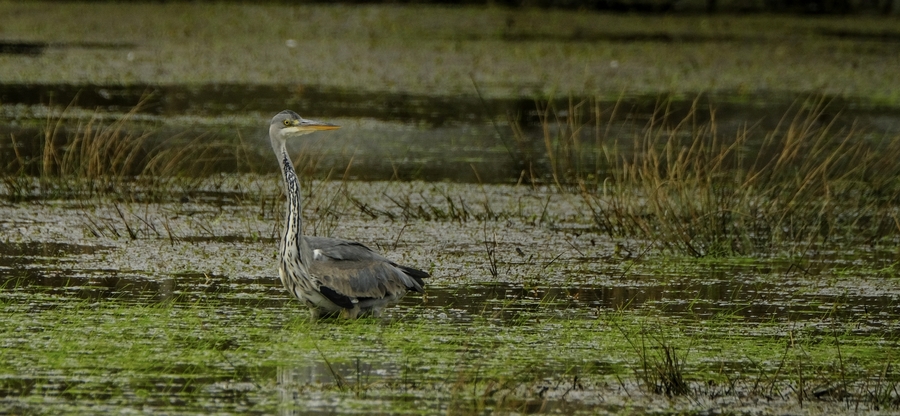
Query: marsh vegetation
675	265
593	250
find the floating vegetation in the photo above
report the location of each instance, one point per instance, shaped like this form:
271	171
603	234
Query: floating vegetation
208	355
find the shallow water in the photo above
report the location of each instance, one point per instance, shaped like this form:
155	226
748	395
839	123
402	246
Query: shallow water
506	263
210	281
395	135
162	298
51	271
538	269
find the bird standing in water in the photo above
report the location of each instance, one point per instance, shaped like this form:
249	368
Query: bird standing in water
331	276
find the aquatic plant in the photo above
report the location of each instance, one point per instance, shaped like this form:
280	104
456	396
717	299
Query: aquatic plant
197	355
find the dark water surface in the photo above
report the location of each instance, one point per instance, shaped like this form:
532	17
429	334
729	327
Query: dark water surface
389	135
227	99
49	271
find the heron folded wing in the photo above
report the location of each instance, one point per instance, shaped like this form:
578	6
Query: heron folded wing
362	279
355	270
337	249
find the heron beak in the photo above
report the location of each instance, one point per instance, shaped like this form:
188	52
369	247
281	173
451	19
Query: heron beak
312	125
303	126
320	126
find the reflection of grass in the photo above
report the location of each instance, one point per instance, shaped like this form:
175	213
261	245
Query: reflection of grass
681	185
193	356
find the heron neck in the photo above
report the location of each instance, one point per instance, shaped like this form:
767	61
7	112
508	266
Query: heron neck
293	220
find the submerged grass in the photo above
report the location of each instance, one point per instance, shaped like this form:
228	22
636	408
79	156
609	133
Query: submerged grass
203	356
236	344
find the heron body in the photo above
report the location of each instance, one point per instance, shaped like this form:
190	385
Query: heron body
331	276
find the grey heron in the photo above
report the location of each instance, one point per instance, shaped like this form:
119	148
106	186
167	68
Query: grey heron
331	276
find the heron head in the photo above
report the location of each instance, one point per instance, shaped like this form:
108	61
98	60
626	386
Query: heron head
288	123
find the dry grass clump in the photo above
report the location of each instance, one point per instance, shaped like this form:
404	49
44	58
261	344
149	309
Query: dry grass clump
92	157
118	157
688	189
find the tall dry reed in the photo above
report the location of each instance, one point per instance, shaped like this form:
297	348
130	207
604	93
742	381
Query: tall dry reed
122	156
684	187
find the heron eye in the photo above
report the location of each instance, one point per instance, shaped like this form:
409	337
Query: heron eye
287	123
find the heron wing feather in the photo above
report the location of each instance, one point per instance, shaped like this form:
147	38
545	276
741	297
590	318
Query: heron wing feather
338	249
352	269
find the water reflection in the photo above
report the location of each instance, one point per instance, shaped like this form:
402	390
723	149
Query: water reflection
316	387
304	389
31	251
216	100
728	295
687	297
395	135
